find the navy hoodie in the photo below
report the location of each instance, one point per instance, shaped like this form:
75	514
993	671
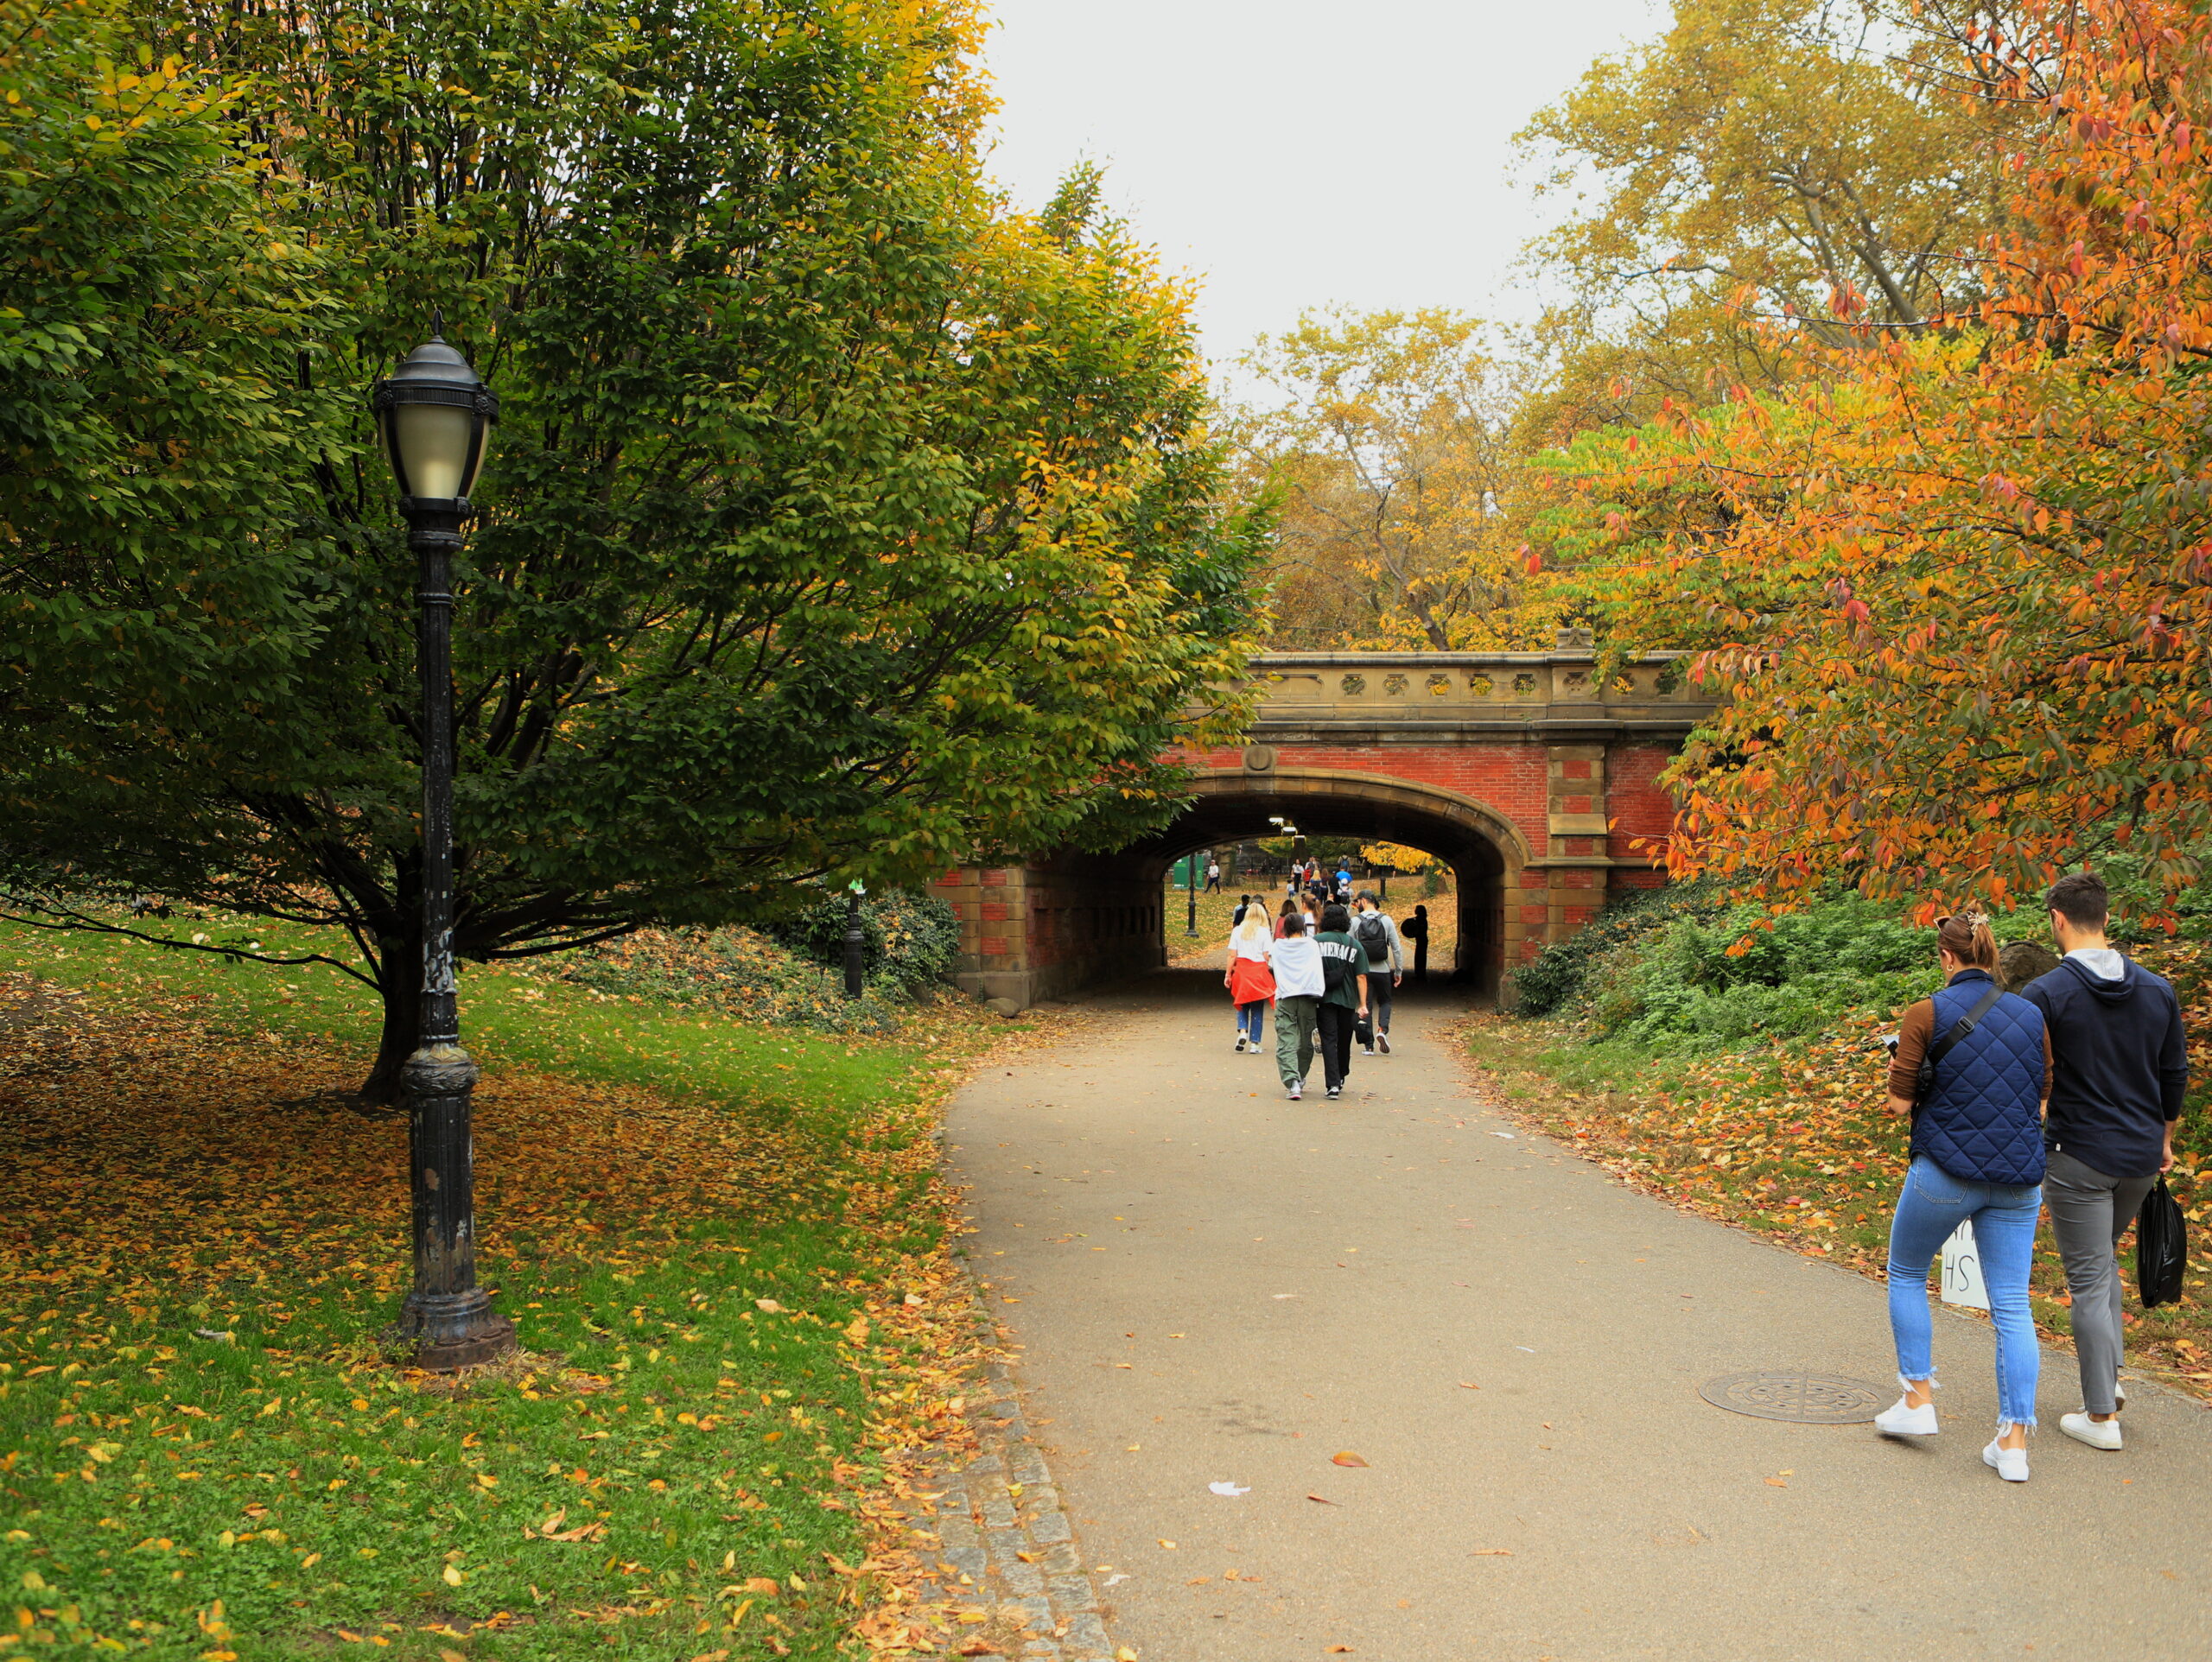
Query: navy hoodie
2118	1067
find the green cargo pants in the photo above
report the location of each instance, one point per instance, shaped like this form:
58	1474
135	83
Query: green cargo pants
1295	1022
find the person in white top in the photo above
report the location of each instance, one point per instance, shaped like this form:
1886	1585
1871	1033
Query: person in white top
1246	974
1296	962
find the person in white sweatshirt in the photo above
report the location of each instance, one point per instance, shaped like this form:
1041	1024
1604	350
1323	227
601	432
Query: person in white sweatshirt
1296	962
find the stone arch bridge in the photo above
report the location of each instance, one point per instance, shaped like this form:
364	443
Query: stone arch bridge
1532	780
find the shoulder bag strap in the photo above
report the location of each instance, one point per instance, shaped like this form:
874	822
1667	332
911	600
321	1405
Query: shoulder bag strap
1959	1029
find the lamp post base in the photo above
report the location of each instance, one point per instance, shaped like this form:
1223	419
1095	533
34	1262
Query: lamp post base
453	1330
447	1316
496	1340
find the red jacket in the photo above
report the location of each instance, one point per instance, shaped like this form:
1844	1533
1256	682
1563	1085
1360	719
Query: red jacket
1250	980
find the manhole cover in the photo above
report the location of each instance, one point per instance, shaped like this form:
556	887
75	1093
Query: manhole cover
1793	1394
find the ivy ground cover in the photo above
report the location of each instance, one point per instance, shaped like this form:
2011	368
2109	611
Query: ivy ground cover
722	1244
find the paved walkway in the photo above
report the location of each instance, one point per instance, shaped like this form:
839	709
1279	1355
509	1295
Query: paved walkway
1213	1284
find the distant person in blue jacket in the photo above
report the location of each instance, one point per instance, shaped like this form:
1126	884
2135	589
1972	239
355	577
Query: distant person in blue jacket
2120	1068
1978	1158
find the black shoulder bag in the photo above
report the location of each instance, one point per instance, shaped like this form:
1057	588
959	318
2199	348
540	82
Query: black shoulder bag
1940	1048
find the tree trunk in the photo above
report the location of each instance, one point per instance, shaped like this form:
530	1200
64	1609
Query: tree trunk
401	984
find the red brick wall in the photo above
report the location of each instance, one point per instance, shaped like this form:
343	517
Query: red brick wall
1509	777
1641	810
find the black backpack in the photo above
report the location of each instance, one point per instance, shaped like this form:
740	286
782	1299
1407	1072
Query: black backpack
1374	939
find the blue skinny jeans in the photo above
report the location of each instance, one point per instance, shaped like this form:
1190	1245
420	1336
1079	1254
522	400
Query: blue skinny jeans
1251	1021
1932	1205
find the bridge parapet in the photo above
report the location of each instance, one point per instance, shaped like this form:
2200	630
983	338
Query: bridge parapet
1475	694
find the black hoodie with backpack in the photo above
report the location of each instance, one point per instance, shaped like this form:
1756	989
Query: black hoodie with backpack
2119	1065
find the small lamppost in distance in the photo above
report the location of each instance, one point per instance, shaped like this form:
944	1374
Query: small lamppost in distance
856	940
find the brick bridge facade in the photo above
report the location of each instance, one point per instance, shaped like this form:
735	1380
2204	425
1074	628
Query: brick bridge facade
1534	782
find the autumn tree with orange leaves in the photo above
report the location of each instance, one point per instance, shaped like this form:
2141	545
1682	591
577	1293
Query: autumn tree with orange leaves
1956	584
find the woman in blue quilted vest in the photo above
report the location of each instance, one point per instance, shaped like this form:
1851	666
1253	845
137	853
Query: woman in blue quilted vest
1977	1157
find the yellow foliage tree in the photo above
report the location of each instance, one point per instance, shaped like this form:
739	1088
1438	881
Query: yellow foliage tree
1757	163
1402	492
1396	856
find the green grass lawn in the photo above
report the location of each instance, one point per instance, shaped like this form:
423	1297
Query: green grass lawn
204	1451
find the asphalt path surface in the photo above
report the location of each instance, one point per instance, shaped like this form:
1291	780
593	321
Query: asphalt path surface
1212	1284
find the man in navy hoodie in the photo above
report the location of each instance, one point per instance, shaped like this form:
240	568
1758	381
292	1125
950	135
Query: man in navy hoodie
2118	1071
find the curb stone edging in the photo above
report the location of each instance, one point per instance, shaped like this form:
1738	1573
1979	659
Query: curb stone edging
1003	1544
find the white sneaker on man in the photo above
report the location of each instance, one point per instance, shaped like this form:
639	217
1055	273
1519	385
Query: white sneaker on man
1905	1420
1240	1045
2097	1433
1297	1090
1384	1039
2010	1464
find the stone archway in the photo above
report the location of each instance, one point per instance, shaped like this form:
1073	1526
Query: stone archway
1486	850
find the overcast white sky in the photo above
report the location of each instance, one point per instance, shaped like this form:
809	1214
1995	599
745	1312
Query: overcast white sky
1295	153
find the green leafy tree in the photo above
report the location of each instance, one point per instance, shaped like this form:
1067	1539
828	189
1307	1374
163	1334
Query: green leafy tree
838	521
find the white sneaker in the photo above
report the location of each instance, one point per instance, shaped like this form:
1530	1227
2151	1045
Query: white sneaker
1905	1420
1384	1039
2010	1464
1240	1045
1297	1090
2098	1434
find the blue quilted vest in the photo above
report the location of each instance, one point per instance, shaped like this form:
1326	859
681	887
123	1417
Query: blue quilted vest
1981	1120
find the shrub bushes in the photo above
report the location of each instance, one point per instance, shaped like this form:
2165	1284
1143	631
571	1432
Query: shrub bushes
1679	970
911	940
789	972
1557	977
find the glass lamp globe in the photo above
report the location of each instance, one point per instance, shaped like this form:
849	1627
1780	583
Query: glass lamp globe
433	414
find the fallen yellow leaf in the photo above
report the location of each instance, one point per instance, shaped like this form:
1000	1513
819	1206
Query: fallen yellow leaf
1345	1457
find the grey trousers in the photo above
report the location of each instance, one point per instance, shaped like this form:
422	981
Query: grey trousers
2089	1212
1379	989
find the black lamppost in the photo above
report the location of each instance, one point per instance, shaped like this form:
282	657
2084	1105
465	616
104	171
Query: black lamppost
1191	884
855	941
432	414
